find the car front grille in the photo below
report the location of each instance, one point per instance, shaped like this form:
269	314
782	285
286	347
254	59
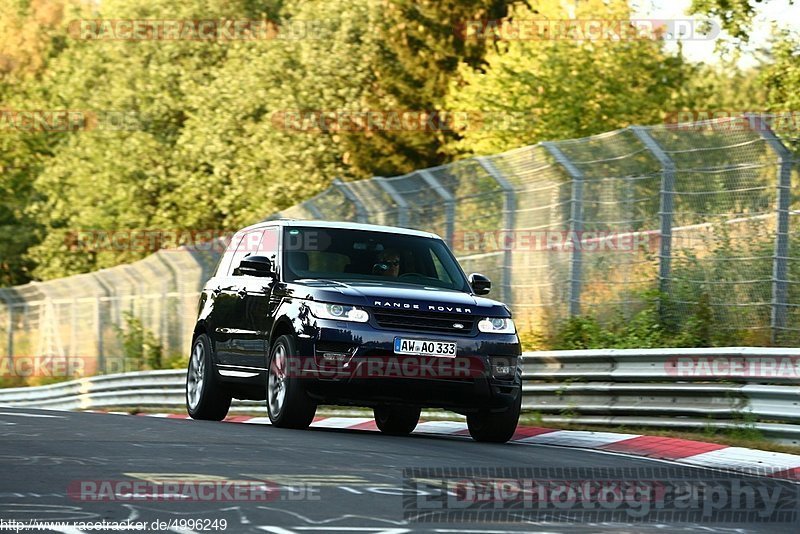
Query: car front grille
442	323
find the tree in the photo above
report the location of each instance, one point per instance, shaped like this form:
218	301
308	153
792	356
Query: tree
421	48
32	33
557	88
781	81
119	178
735	16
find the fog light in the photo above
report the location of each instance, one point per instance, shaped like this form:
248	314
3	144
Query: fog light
502	370
334	356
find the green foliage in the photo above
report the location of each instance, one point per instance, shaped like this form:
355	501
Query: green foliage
651	327
723	88
207	151
736	16
781	80
552	89
418	54
141	349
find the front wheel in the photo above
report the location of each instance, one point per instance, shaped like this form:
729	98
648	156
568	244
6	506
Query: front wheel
206	398
288	405
495	427
396	420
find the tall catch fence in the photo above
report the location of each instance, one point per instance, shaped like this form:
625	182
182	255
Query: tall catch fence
704	212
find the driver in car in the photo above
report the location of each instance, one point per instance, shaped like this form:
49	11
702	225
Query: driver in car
388	263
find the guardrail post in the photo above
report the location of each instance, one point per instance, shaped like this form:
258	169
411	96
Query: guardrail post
509	212
780	257
575	227
666	205
449	204
402	205
361	211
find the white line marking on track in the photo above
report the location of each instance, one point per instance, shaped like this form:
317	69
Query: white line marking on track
376	530
23	414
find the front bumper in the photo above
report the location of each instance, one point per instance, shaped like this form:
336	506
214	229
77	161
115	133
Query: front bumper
351	363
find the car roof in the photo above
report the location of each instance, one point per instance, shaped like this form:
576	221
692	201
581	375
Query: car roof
347	225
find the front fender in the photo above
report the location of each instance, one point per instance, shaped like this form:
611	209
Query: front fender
293	317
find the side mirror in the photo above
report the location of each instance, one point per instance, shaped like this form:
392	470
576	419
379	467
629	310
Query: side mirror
254	266
480	284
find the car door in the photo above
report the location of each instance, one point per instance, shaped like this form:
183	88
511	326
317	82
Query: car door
228	296
255	315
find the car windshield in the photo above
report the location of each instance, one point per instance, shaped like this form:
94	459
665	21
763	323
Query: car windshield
346	255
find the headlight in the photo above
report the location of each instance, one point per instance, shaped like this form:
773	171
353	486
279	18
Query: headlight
339	312
496	325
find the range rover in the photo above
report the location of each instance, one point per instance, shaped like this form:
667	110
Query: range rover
306	313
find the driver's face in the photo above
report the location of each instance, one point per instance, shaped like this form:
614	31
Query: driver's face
393	261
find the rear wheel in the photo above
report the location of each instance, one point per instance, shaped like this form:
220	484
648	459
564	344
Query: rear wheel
206	398
495	427
288	404
396	420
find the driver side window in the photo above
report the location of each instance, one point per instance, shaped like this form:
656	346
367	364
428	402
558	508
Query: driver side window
248	246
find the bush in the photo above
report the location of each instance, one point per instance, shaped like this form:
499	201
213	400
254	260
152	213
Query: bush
141	349
656	325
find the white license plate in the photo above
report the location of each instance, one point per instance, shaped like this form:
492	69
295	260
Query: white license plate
403	345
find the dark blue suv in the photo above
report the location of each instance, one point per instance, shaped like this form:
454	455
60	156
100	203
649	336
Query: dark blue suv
303	313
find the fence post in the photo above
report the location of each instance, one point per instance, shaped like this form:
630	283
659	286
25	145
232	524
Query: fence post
101	356
509	211
310	206
575	227
10	333
666	205
400	202
780	257
449	204
361	212
180	290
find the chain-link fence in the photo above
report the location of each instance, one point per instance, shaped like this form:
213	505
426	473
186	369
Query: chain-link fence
702	212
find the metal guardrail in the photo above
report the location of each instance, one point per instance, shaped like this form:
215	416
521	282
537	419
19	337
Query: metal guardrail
635	387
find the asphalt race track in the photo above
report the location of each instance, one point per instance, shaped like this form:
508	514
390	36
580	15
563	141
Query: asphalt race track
323	480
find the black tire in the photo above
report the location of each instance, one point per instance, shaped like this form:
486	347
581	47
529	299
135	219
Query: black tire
495	427
296	410
206	397
396	420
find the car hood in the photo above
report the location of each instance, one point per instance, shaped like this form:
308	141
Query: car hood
398	296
